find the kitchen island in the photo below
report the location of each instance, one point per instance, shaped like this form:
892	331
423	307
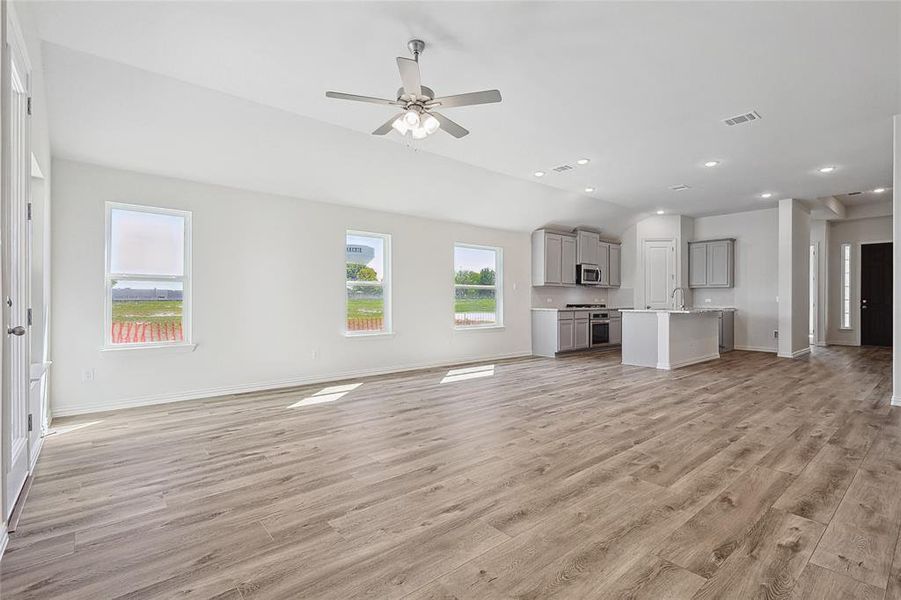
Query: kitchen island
669	339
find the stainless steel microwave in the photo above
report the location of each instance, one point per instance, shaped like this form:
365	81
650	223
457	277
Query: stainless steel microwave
588	274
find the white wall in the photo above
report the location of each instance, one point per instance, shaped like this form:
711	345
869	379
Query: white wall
268	284
756	236
855	232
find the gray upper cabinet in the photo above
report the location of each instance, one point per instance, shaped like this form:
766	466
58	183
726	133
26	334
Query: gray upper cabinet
604	263
710	263
587	250
615	265
568	262
553	258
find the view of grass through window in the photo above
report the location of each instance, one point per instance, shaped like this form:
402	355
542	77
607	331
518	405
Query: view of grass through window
145	275
475	286
365	283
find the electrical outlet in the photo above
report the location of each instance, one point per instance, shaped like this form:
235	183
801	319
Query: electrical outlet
315	353
775	333
87	375
549	300
707	300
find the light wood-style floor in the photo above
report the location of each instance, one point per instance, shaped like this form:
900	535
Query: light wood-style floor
747	477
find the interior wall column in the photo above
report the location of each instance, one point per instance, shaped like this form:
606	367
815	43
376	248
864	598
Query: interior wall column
794	279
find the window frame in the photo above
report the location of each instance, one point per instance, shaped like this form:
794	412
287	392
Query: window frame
185	278
845	291
498	287
388	321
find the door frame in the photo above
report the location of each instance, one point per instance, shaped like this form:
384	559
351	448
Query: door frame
813	283
856	278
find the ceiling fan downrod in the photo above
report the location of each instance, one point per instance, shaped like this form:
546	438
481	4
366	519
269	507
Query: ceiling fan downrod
416	47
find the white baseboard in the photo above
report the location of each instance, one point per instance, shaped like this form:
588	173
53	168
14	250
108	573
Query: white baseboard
769	349
66	411
4	539
840	343
796	353
686	363
896	401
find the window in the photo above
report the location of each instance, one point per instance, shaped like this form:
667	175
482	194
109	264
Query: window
367	283
846	286
147	276
477	286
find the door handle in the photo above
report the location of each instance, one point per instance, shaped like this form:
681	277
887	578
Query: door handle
17	330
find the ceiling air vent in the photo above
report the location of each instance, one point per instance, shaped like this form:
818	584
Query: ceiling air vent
745	118
679	188
563	168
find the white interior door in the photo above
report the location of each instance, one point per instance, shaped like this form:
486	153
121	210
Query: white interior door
659	272
16	157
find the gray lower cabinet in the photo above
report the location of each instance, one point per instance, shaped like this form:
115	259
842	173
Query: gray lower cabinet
727	331
555	331
616	331
711	263
580	332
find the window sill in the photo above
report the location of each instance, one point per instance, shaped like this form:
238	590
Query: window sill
378	334
480	328
174	348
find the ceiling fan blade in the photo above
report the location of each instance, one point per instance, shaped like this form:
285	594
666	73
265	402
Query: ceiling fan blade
449	126
470	99
409	75
387	125
354	97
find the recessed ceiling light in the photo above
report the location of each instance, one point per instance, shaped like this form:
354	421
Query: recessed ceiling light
711	163
826	169
589	189
582	161
879	190
659	212
766	195
538	173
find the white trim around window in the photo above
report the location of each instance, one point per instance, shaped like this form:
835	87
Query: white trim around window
386	328
185	343
465	321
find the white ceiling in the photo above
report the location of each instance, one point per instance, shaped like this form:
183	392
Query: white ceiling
639	88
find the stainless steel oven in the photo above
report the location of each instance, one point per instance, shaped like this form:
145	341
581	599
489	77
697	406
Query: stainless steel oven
599	325
587	274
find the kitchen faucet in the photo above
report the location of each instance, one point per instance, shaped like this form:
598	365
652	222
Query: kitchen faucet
673	297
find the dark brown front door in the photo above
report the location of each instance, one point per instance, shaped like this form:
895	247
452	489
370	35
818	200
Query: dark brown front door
876	294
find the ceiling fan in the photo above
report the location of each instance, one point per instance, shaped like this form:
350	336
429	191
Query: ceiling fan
417	103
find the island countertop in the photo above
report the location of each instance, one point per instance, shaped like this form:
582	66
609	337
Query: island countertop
680	311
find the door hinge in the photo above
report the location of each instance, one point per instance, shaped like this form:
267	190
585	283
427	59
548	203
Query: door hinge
29	105
29	210
30	422
28	314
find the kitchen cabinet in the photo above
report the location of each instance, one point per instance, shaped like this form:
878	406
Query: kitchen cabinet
581	331
565	332
727	331
553	258
568	262
711	263
587	247
604	263
616	331
615	265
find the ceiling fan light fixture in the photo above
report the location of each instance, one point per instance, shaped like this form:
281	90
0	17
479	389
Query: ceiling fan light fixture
411	118
430	124
400	126
419	133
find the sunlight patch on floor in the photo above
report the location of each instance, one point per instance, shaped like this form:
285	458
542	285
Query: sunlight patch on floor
71	428
468	373
327	394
